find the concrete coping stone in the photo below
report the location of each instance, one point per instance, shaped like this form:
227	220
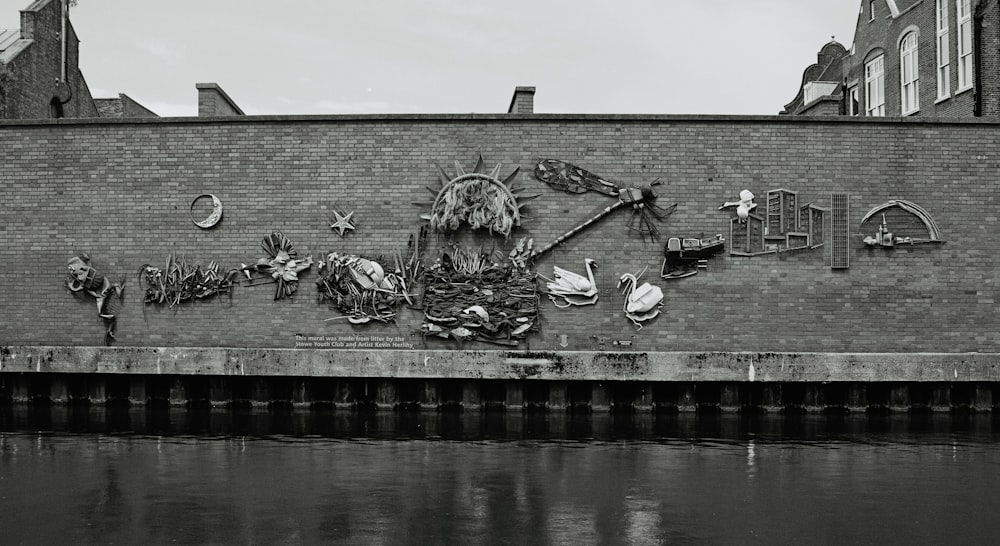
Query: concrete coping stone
528	365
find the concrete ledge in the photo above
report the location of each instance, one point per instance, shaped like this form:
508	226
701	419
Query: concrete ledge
555	366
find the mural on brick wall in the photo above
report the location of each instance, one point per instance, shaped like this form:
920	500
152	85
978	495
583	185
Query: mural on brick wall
469	294
83	277
281	266
178	282
926	231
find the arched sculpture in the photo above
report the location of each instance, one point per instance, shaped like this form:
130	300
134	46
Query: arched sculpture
884	238
477	199
83	277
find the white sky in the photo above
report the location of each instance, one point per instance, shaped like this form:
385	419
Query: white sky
455	56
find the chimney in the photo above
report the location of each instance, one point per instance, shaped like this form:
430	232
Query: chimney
213	101
523	101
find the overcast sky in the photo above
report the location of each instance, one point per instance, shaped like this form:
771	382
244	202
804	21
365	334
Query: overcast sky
454	56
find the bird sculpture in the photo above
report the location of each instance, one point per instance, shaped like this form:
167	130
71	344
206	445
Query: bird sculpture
642	302
743	206
571	288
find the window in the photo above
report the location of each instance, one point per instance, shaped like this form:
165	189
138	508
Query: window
943	64
964	45
909	75
871	10
852	101
875	87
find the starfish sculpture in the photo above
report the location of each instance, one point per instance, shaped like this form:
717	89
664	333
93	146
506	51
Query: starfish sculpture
343	222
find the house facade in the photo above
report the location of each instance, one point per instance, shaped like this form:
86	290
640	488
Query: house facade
937	58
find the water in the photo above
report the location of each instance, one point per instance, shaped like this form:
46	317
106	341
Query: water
96	476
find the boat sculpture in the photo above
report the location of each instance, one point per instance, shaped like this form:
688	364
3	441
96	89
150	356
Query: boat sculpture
569	288
642	302
684	257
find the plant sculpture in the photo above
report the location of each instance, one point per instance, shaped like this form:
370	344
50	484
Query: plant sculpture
281	264
362	290
179	282
469	296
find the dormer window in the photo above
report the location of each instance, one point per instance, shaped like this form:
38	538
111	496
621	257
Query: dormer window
871	10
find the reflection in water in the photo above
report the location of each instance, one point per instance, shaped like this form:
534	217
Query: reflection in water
92	475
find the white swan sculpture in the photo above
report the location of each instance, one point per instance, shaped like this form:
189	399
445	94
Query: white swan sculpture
572	288
642	303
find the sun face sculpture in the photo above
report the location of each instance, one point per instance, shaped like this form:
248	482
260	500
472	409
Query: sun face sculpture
477	199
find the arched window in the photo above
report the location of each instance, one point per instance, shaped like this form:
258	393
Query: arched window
875	86
964	48
909	74
943	63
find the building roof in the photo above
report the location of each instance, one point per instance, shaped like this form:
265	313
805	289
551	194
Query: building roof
8	37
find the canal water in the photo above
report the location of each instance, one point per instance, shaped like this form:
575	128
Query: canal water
143	476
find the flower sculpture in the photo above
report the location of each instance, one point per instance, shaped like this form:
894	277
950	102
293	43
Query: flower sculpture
282	264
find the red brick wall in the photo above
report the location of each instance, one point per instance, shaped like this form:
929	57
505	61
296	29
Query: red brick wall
28	82
120	191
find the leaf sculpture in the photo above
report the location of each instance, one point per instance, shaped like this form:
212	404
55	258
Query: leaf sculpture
282	264
478	199
468	296
177	282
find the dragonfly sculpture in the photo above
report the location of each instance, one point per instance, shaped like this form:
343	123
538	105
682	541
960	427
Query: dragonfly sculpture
572	179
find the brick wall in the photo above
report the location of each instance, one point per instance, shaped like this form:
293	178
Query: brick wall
28	83
120	191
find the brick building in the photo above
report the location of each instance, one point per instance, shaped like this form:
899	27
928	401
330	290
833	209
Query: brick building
909	58
40	73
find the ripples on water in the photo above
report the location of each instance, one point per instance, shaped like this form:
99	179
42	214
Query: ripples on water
90	475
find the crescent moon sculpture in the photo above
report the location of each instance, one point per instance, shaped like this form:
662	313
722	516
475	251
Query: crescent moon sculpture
212	218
